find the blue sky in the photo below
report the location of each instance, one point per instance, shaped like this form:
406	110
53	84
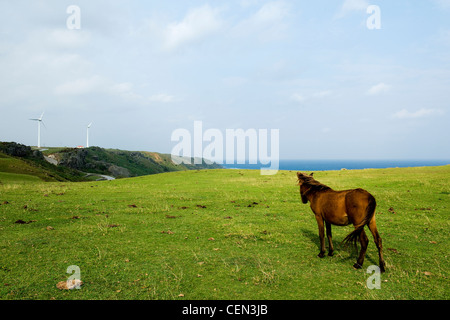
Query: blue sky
312	69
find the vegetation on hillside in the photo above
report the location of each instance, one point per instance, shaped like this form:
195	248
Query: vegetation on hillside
73	164
121	163
21	162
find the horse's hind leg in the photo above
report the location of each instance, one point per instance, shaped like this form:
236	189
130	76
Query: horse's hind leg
330	242
376	236
364	243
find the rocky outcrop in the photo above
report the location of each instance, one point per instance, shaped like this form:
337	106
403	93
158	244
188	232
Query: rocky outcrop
117	171
75	160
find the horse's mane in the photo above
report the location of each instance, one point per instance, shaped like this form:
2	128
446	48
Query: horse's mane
313	185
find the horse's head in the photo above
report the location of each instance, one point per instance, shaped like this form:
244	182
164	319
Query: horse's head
302	178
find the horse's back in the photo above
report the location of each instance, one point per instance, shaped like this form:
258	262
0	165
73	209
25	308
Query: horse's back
357	196
342	207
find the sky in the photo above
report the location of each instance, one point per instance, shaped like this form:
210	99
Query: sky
314	70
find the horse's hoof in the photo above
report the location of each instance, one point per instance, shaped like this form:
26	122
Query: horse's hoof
357	266
321	254
330	254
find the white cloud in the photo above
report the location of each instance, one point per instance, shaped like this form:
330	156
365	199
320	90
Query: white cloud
268	22
123	87
350	6
445	4
82	86
64	38
199	23
405	114
323	94
125	91
378	89
101	85
270	13
442	37
248	3
234	81
298	98
165	98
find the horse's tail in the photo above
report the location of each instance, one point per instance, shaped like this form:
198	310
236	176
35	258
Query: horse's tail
353	237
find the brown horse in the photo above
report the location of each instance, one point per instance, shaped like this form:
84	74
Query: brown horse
342	208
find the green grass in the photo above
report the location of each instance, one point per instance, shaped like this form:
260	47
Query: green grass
14	170
6	177
219	234
32	169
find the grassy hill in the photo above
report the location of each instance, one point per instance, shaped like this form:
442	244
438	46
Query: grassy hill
119	163
12	169
21	163
219	234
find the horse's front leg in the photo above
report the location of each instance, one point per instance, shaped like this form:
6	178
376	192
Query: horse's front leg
321	236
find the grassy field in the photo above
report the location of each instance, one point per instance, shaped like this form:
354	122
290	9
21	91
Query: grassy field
218	234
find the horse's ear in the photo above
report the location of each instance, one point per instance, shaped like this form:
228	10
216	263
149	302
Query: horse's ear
311	174
299	174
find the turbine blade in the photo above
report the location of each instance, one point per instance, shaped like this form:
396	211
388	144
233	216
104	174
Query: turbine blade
40	118
43	124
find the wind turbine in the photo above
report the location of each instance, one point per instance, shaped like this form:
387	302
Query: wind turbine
87	135
39	120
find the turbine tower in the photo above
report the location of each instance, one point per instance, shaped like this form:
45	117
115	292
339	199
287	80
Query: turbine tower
39	120
87	135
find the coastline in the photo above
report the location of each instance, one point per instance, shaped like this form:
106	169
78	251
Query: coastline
332	165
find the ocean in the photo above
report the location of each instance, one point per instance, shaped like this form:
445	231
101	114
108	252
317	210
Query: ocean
324	165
